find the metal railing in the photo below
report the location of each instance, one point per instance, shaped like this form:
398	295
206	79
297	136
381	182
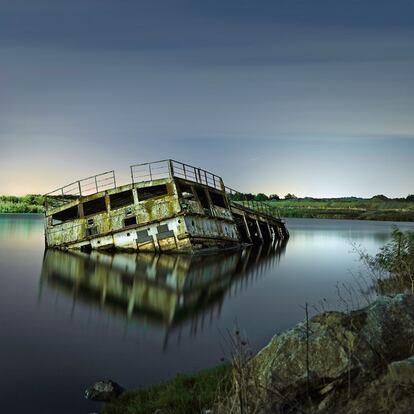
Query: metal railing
170	168
238	199
80	188
153	171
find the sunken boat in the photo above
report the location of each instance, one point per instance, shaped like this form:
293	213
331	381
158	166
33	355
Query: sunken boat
168	206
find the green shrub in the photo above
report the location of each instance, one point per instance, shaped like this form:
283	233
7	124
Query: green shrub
189	394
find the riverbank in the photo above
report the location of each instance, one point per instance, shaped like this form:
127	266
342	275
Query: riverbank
359	361
346	208
190	393
336	362
333	208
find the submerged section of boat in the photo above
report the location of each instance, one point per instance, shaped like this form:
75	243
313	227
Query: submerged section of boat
168	206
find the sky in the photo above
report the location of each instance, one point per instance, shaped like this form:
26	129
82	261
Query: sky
314	98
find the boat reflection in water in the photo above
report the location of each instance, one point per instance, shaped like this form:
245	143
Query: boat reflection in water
159	289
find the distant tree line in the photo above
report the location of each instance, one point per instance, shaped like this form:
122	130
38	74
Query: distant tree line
382	197
289	196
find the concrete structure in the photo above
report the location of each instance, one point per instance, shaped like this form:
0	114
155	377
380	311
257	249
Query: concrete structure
168	206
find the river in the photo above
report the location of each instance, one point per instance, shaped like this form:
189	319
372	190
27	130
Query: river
69	319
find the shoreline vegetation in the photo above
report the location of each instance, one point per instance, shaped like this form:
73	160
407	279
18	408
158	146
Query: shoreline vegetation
332	362
379	207
30	203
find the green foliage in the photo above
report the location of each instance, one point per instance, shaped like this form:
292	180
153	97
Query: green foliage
393	266
261	197
27	204
381	197
289	196
189	394
274	197
410	197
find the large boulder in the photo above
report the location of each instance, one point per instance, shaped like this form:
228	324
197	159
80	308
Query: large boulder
103	391
334	351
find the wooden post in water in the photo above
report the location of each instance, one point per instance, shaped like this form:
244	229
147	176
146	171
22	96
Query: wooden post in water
247	228
259	230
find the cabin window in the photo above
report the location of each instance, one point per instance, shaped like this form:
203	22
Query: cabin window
185	190
130	221
145	193
94	206
202	196
122	199
69	214
218	199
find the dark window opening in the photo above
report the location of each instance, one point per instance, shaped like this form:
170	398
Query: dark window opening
94	206
122	199
185	190
91	231
202	196
146	193
130	221
218	199
87	248
71	213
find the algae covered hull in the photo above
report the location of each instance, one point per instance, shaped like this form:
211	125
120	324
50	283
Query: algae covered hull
168	206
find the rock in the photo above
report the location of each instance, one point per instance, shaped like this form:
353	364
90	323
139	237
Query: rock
103	391
391	392
344	349
402	372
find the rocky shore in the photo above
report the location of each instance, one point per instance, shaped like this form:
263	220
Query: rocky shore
357	362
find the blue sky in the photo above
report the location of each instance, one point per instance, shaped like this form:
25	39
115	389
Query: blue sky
310	97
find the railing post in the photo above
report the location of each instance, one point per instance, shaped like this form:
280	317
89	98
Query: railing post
96	184
132	173
150	172
171	169
113	175
80	189
221	184
185	174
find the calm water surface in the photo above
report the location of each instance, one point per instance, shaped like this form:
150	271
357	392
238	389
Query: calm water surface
69	319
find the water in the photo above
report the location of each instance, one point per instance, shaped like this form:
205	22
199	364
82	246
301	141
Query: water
70	319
